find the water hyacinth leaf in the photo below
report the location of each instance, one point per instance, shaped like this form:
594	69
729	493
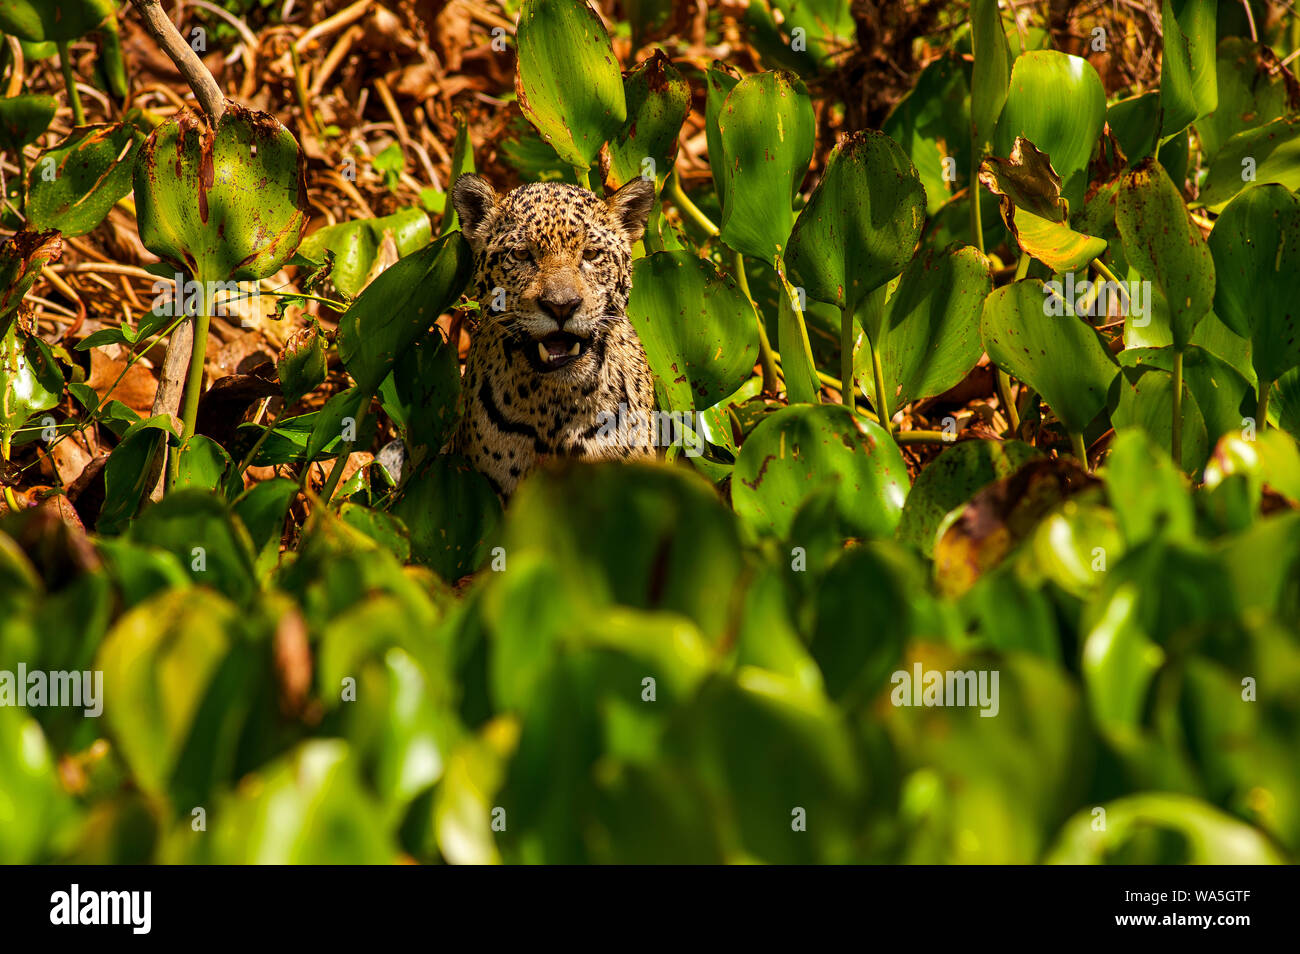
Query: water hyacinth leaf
452	513
301	367
951	480
1188	88
861	223
1144	399
1060	357
1148	494
658	101
798	365
1254	89
24	118
262	509
1162	829
1268	153
205	464
199	530
223	206
22	256
127	471
1057	102
720	80
569	84
38	21
763	172
630	525
421	394
73	185
1166	247
931	333
336	424
1256	248
1135	124
1221	393
698	328
991	74
825	27
164	654
1028	190
30	381
932	126
399	306
796	451
357	245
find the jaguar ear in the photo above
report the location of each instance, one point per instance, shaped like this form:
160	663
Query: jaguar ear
474	200
631	205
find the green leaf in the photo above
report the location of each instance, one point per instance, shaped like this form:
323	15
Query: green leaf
1135	122
951	480
421	394
1058	356
307	807
24	118
1162	829
931	334
399	306
205	464
356	245
861	223
159	661
720	80
128	470
991	74
223	207
262	509
647	536
1188	89
802	448
30	381
340	413
766	126
932	126
452	514
1256	250
1144	400
30	786
74	185
698	328
1148	494
569	85
1268	153
1057	102
199	530
1163	243
55	20
658	101
1253	90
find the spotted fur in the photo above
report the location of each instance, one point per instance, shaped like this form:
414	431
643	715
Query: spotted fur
553	268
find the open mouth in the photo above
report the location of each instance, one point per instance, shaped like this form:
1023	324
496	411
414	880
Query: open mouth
558	349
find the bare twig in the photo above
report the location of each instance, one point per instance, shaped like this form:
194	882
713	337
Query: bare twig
171	42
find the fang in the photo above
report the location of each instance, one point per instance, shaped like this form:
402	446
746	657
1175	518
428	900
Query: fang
541	349
577	346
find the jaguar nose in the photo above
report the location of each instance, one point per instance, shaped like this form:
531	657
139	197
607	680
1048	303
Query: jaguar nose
559	305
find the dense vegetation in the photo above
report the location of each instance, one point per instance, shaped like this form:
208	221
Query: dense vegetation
985	331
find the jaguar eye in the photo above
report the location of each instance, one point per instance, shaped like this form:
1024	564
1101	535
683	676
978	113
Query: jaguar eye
592	254
522	254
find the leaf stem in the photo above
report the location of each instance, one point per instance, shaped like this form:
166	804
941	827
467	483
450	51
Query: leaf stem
70	83
261	439
689	208
976	222
846	358
1261	409
336	472
1079	448
924	437
1176	438
1008	401
193	383
766	359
